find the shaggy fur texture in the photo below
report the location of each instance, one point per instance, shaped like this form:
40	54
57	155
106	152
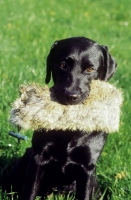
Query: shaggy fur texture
37	109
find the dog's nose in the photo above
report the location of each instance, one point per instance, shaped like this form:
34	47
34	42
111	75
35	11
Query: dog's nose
71	97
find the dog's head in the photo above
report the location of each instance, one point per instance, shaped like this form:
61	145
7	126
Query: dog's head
74	63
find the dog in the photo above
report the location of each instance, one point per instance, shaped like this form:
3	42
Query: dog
66	160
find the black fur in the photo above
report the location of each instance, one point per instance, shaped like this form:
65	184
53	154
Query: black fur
74	62
66	160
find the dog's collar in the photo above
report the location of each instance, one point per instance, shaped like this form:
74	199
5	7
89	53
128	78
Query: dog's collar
99	112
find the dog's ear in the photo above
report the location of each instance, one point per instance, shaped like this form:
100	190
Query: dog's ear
49	62
109	64
48	69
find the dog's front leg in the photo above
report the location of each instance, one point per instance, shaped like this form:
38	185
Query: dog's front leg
83	154
34	175
87	187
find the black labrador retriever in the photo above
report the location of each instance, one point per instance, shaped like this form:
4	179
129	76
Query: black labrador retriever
66	160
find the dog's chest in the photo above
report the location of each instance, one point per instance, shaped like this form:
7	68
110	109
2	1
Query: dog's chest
57	146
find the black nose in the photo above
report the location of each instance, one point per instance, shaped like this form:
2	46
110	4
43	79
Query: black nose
71	97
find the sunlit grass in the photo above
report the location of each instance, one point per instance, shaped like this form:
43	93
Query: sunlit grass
28	29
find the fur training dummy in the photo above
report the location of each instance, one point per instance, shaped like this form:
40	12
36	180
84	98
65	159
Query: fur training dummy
37	109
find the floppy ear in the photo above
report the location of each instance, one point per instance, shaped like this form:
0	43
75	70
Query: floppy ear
109	64
48	70
49	63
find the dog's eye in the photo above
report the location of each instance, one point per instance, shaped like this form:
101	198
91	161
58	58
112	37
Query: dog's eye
89	69
63	65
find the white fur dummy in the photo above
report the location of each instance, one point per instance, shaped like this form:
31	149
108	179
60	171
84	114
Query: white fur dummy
35	110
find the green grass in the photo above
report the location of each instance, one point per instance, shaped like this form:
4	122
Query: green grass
27	30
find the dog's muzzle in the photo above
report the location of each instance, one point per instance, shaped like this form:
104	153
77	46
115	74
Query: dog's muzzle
72	97
67	96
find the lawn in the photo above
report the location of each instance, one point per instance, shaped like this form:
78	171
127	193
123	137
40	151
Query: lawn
27	31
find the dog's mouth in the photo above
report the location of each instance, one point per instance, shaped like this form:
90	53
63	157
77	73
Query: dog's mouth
66	97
